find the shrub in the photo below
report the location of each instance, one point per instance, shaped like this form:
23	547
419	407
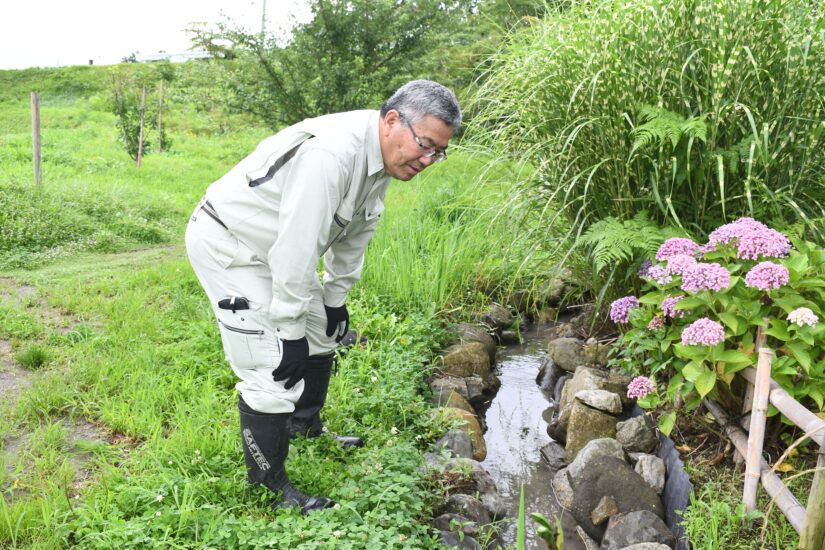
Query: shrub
696	325
699	111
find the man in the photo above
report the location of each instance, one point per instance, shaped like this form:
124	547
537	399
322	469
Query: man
315	189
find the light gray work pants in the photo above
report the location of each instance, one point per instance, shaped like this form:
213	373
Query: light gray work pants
225	268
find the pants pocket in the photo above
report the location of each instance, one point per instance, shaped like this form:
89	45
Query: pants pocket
247	343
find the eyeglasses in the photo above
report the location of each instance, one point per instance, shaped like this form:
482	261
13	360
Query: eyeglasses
434	153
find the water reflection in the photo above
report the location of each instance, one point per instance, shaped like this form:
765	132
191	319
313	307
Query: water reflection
516	432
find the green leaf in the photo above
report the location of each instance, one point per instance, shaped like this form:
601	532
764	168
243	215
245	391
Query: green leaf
779	329
689	302
730	320
705	383
651	298
810	283
666	422
734	356
790	302
690	352
797	263
800	353
693	371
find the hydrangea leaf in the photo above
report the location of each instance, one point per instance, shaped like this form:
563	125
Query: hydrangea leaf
800	353
666	422
705	383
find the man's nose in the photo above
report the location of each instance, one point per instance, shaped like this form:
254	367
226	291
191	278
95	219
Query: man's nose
426	161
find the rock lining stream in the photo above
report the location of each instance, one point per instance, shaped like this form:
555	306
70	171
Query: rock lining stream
558	423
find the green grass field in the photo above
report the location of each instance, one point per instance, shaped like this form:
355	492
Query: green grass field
121	428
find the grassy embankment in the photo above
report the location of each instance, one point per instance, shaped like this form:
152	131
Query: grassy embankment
127	343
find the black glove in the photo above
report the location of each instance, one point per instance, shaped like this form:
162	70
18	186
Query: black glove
293	362
337	321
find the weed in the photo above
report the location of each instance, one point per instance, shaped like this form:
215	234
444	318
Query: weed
33	357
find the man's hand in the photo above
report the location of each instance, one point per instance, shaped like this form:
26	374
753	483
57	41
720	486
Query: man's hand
293	362
337	321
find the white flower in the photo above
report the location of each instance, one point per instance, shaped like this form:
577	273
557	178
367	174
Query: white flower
373	379
803	316
394	430
159	498
157	514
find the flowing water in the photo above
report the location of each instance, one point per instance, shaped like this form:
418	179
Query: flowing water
515	434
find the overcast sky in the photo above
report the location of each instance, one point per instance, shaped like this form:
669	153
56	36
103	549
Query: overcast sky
50	33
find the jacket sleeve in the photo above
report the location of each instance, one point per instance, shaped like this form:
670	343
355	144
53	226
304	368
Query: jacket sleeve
343	262
309	200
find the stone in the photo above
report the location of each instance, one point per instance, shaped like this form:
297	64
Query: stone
596	353
617	383
470	426
469	507
450	539
480	480
456	523
647	546
497	317
458	442
463	360
608	476
473	333
593	450
443	386
557	428
510	338
602	400
637	434
587	424
562	489
652	470
640	526
589	543
567	353
452	399
606	508
548	375
554	454
585	378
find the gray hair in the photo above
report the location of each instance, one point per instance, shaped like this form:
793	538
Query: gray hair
420	98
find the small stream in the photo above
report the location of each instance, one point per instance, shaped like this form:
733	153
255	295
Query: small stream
516	432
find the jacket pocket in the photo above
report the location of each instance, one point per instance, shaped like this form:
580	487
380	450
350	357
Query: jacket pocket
247	342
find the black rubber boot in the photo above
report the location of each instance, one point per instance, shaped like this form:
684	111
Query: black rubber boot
265	447
306	420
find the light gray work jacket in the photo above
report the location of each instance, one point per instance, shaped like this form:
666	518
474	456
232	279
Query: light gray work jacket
291	210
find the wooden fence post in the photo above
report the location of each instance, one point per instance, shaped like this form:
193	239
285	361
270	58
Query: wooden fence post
813	531
140	135
36	145
747	401
160	118
756	434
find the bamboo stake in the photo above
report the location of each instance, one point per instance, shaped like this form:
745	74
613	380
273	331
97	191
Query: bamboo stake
747	402
756	437
140	135
813	532
37	156
160	118
773	485
787	405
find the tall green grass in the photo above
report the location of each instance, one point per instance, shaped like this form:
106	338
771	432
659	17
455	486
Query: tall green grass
699	111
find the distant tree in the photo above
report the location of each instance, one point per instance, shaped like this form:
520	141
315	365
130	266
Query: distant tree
352	54
125	94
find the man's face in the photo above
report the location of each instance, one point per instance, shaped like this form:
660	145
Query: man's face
403	156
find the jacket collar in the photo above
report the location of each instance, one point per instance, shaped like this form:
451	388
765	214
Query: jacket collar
375	161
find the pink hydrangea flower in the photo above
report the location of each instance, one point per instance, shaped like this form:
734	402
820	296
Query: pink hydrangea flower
803	316
704	276
660	274
679	263
674	246
640	387
764	242
703	332
729	232
644	268
767	275
656	323
620	309
669	307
